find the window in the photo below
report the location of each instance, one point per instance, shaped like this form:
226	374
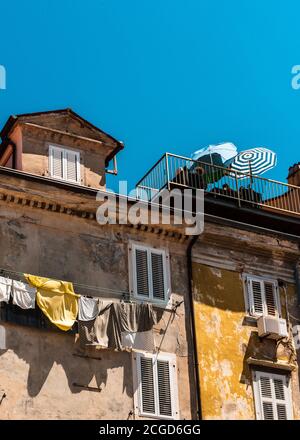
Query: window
150	273
64	164
272	396
262	297
156	385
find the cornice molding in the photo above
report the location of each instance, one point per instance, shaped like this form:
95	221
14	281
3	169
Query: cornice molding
37	202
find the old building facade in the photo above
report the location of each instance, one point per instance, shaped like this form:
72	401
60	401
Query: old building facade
239	277
211	352
52	166
244	272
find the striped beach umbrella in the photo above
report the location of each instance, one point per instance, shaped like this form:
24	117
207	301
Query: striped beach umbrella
254	161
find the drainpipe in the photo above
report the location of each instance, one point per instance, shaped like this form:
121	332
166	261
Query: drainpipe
193	325
14	153
297	277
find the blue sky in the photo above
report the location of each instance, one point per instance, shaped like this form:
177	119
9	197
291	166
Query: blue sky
167	75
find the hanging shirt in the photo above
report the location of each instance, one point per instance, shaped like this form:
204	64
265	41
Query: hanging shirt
117	326
23	295
88	308
56	299
5	289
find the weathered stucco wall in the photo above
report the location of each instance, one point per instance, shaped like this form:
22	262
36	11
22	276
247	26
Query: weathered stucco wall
225	340
33	146
38	367
39	370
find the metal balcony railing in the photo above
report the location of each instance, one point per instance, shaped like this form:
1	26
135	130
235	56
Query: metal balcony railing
172	171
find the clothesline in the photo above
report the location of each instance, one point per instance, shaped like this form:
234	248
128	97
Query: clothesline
107	290
104	323
113	293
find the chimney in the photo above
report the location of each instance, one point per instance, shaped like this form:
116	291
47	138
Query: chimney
294	174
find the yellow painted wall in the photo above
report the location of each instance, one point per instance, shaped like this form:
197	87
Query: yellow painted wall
224	341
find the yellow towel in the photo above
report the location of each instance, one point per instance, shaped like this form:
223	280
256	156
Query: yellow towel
56	299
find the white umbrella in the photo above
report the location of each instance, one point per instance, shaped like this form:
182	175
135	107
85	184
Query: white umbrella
226	150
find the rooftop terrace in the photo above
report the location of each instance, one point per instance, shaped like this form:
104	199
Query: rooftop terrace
222	184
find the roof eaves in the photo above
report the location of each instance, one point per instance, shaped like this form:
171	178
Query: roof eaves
13	118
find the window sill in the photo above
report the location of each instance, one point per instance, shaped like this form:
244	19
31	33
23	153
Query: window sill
73	182
154	417
265	363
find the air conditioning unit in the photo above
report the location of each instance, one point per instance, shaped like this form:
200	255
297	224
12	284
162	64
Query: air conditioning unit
272	327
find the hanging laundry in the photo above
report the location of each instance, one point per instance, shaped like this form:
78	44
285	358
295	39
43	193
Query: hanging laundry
88	308
129	318
56	299
23	295
5	289
135	317
138	340
94	332
116	321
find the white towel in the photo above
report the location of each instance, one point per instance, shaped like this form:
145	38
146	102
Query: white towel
88	308
5	289
23	295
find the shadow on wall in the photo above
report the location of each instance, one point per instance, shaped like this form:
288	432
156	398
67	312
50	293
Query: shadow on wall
265	349
219	288
257	348
43	350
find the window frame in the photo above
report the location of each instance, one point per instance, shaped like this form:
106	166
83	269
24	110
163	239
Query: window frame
258	400
138	403
133	246
65	151
247	280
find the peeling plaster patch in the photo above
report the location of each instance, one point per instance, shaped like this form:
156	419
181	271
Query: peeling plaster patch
214	366
228	410
237	327
226	368
211	300
203	318
236	408
243	407
229	314
224	388
243	348
214	325
216	272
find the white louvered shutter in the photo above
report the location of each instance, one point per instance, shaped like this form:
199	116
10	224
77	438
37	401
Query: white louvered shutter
158	276
263	297
141	272
270	298
157	386
255	296
72	166
265	385
272	396
147	386
164	388
280	398
56	162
